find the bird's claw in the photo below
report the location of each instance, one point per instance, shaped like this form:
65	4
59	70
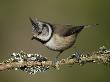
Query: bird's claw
55	64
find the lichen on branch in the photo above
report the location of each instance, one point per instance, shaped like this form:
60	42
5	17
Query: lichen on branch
33	63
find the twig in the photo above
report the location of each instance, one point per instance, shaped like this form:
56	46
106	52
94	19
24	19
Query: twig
33	63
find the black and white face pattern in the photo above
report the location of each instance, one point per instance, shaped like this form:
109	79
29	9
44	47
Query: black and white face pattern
41	30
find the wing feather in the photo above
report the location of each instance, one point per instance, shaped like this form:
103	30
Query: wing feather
67	30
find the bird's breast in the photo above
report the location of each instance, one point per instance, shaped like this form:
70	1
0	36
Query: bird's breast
60	43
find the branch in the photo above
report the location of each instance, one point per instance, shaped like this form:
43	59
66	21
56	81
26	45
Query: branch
33	63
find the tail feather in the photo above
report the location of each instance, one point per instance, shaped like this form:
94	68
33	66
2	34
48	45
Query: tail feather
90	25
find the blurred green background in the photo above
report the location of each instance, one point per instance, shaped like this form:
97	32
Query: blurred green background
15	35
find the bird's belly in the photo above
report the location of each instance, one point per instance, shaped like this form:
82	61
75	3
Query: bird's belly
60	43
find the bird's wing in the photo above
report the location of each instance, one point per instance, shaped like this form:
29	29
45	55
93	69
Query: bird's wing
67	30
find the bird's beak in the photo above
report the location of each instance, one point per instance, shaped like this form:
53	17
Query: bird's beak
33	38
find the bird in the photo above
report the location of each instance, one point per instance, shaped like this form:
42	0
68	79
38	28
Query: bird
56	37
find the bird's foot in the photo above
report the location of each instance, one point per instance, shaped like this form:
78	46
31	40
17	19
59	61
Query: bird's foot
55	63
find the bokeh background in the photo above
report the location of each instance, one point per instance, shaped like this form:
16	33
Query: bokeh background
15	35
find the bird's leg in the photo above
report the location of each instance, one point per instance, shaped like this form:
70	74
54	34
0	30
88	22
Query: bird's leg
56	59
58	55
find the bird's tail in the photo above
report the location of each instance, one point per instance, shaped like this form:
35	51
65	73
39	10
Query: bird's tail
90	25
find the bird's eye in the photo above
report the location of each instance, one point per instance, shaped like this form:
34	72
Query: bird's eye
39	32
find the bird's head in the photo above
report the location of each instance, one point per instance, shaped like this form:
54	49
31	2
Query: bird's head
41	30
